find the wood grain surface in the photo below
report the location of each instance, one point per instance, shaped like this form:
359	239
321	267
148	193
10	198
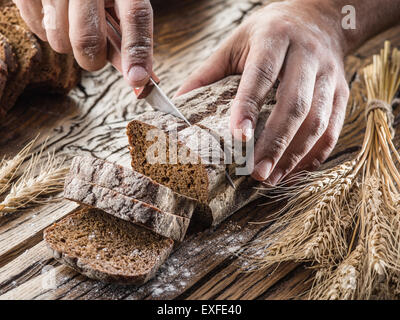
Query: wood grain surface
92	120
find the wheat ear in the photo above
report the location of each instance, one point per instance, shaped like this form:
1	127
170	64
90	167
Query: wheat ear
312	224
9	167
31	188
343	283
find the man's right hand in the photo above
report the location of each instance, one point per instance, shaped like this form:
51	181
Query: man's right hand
79	26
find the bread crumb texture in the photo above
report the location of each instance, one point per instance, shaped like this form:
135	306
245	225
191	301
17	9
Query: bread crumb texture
107	248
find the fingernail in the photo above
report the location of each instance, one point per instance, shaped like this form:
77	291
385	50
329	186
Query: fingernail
137	75
244	130
263	170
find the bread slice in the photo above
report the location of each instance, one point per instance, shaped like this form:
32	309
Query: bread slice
182	164
126	208
131	184
28	53
106	248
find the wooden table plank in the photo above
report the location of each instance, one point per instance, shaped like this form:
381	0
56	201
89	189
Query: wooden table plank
25	266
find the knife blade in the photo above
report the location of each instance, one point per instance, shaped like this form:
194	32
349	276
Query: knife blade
154	96
158	100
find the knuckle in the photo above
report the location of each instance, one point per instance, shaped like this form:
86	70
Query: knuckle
318	126
250	103
292	160
330	67
311	46
90	45
277	147
138	49
140	13
298	108
265	74
282	27
329	140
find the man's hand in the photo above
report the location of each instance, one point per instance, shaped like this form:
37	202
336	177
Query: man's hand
79	26
300	45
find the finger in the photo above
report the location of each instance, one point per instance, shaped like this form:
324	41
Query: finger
136	18
294	99
87	33
310	131
213	69
31	12
260	73
325	145
56	24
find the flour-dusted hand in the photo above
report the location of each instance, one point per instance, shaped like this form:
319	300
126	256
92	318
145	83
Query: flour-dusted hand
79	26
297	43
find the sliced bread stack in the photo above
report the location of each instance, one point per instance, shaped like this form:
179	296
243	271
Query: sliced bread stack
31	63
130	196
129	230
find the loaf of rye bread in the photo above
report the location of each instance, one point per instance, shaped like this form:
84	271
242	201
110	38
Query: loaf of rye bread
106	248
28	54
207	109
131	184
56	72
126	208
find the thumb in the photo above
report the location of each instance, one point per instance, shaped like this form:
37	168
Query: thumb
136	18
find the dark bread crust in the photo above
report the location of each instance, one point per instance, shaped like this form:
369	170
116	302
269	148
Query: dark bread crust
7	55
3	76
109	235
57	73
126	208
28	53
131	184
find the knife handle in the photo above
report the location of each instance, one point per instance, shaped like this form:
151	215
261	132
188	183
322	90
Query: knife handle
114	53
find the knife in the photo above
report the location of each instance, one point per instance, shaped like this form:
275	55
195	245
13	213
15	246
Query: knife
151	92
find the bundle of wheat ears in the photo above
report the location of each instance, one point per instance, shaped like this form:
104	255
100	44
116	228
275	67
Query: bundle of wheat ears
344	221
42	176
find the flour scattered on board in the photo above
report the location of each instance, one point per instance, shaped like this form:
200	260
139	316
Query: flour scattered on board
178	272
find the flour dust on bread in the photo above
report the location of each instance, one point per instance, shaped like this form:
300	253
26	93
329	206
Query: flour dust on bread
208	109
106	248
131	184
126	208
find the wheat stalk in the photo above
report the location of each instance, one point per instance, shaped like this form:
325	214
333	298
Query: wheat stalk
31	188
343	283
9	167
